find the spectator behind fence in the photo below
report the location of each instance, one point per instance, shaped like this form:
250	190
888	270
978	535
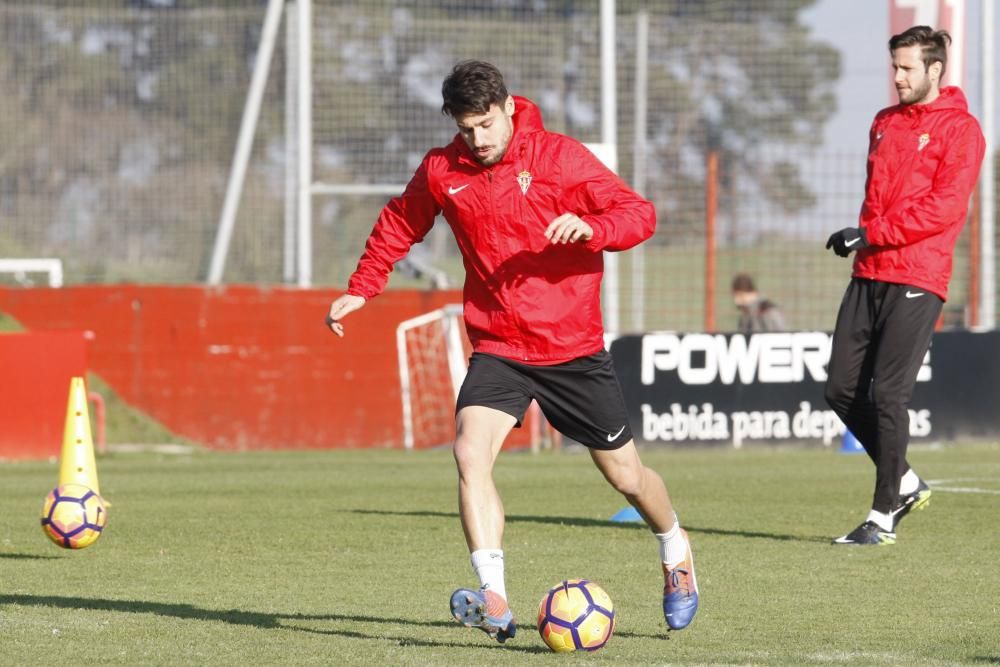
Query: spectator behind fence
757	313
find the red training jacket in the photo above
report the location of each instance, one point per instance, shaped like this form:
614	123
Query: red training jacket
524	298
923	162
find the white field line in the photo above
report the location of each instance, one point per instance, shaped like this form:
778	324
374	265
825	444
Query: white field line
941	485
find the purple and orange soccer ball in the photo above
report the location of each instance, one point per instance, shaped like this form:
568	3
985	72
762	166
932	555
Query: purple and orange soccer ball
73	516
576	615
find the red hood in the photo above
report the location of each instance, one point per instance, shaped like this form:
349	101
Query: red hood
527	117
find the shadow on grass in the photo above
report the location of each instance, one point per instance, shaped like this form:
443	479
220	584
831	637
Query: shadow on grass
261	620
599	523
27	557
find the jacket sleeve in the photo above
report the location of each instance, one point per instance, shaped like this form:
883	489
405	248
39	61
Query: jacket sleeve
868	210
934	212
404	221
619	217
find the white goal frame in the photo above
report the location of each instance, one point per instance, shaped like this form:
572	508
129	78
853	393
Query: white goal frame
450	319
20	267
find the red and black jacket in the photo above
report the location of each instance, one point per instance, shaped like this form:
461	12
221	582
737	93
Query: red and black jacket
923	163
524	298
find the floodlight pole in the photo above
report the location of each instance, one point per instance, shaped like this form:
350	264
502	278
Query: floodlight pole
638	300
304	122
291	141
987	237
609	121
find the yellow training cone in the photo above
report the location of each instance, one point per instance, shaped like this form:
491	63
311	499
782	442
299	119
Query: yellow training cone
77	465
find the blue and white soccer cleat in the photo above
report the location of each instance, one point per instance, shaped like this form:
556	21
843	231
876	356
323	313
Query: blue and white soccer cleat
485	610
680	591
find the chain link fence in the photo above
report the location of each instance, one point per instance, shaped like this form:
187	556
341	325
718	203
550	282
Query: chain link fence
120	121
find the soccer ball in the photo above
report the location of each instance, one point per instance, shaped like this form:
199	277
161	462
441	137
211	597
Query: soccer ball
73	516
576	615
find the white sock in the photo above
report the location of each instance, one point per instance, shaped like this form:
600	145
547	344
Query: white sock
884	521
908	484
488	564
673	546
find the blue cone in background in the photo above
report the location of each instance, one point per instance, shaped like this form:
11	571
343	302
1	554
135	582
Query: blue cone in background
627	514
850	444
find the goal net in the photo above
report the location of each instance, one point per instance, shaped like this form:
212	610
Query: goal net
433	351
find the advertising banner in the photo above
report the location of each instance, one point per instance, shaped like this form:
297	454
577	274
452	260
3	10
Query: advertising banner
733	389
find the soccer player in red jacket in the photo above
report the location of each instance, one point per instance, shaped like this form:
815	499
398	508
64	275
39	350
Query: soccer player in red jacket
532	211
923	162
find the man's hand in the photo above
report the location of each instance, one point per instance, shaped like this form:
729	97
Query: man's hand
847	240
568	228
340	307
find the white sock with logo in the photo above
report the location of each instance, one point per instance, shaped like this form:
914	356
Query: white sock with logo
488	564
882	520
908	484
673	546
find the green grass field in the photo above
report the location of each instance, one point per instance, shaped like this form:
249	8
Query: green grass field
349	557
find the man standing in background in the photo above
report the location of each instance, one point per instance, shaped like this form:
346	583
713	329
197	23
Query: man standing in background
923	162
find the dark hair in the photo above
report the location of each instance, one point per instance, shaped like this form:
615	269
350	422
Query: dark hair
742	282
933	43
472	87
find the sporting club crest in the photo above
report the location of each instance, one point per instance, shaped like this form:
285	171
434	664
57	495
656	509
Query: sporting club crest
524	180
925	139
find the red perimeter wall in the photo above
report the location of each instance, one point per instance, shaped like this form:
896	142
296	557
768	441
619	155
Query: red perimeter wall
240	367
35	372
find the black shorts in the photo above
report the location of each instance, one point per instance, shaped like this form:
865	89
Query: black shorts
580	398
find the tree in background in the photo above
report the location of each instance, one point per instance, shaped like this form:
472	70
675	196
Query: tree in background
121	116
746	81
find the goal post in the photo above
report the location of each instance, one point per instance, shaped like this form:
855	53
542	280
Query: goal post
432	349
22	266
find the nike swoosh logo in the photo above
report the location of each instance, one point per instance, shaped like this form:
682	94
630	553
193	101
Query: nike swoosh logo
913	295
851	242
612	438
455	191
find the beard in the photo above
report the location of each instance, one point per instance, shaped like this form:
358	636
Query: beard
915	95
501	149
492	158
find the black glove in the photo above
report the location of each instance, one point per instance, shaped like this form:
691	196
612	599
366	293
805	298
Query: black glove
846	240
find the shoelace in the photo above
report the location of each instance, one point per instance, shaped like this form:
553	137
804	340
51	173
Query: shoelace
675	579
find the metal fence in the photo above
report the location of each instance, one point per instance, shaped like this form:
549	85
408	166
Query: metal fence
120	123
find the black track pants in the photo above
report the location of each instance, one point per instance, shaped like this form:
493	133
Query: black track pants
883	332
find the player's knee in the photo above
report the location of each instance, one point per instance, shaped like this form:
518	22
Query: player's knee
470	456
835	395
889	403
462	451
627	481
